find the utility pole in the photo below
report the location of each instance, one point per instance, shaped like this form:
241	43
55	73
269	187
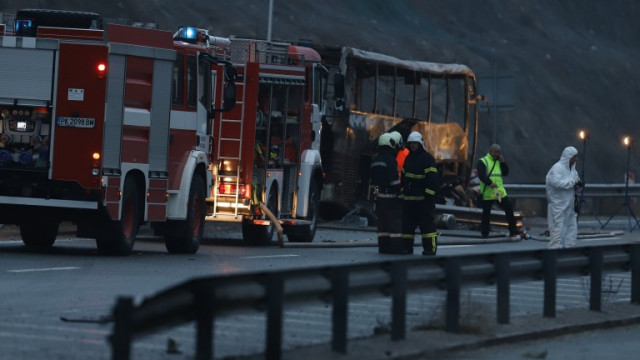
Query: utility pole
270	20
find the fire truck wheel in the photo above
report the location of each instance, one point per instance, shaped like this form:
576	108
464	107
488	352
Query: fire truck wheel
184	235
261	234
117	237
308	232
41	235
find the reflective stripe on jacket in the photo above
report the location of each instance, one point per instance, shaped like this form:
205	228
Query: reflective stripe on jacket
420	178
489	193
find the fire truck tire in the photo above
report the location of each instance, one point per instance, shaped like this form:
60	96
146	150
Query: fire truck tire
261	234
39	235
183	236
307	233
118	237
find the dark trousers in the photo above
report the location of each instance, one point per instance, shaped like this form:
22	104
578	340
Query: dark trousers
419	214
505	204
388	211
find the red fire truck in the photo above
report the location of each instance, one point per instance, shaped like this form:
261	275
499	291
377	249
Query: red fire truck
117	127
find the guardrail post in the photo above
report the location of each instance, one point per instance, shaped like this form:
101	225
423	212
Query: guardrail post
452	323
204	323
502	287
339	317
399	296
550	267
122	334
275	296
635	274
595	264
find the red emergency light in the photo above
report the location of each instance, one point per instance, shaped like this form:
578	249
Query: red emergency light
102	69
230	189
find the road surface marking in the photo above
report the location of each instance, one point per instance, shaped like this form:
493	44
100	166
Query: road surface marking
268	256
44	269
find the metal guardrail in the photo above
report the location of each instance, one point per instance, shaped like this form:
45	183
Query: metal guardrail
590	190
201	300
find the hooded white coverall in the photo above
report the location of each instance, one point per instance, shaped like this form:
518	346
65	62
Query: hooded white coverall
562	218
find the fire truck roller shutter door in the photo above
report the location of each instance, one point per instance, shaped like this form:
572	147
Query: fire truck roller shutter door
160	116
114	113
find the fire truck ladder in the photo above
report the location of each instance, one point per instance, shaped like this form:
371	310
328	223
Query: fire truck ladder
226	127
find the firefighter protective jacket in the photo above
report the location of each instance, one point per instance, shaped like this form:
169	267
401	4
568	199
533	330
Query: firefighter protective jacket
420	179
384	171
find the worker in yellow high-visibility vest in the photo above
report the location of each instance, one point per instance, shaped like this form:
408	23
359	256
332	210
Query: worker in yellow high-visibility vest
491	169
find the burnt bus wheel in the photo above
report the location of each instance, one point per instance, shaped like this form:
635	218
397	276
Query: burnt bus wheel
306	233
261	234
40	235
183	236
118	237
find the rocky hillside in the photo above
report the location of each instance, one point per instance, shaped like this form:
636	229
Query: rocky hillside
573	63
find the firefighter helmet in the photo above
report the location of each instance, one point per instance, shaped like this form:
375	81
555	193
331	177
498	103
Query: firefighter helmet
385	140
415	137
396	140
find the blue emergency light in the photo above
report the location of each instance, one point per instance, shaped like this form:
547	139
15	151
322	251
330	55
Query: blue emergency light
187	34
24	27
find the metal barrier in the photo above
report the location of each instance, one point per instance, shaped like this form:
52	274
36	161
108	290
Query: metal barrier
200	300
590	190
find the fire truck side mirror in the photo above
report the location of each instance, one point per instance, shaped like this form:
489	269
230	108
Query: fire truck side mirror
338	86
229	95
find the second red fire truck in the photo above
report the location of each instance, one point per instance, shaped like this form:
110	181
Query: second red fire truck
112	128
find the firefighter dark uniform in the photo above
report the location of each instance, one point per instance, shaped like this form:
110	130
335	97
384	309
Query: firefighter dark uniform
384	179
420	180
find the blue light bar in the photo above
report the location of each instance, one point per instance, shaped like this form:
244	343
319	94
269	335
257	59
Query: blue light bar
186	34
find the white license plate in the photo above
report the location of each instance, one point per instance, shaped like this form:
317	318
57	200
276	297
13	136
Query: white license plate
77	122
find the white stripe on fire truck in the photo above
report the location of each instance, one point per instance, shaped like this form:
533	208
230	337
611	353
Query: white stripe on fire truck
184	120
9	41
28	42
48	202
137	117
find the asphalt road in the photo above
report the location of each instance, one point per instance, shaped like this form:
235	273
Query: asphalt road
616	343
52	303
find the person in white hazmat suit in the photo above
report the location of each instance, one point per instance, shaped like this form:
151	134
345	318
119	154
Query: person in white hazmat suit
561	183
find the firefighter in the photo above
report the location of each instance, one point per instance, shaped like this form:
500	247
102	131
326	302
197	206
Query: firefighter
386	185
420	180
491	169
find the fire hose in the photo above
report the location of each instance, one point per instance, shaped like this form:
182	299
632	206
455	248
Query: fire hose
275	222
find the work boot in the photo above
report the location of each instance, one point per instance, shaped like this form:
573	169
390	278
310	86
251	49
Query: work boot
429	246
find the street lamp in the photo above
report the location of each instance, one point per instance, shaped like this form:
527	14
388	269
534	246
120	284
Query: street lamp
583	135
627	141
